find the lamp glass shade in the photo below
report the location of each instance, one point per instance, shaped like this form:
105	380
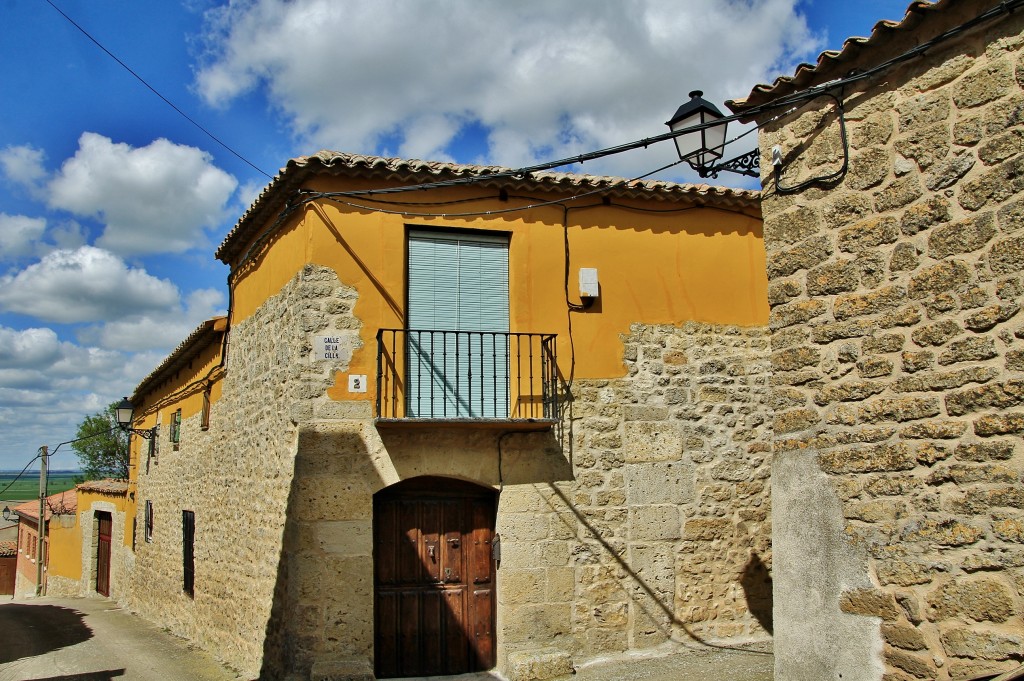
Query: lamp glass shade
124	413
7	512
699	148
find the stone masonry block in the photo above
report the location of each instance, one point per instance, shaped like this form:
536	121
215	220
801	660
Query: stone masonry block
1007	256
949	171
885	409
868	233
870	602
999	424
659	483
349	669
796	312
932	211
990	81
653	523
538	665
652	441
964	236
982	643
969	350
879	300
875	459
946	276
994	395
924	145
897	194
345	537
801	256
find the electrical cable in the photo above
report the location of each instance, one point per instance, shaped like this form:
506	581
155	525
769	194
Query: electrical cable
821	179
16	477
157	93
333	196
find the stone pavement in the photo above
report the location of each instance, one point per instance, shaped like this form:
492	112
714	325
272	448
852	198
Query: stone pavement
92	639
703	663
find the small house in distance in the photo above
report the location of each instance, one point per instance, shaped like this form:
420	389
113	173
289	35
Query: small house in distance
459	419
59	521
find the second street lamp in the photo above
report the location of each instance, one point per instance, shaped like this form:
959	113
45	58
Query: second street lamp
703	146
123	415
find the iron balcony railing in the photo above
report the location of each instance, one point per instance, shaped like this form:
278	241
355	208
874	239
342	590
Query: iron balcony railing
458	375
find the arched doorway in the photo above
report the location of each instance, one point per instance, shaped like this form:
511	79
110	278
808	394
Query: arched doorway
433	578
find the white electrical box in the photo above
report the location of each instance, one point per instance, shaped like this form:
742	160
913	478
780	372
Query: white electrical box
357	383
589	286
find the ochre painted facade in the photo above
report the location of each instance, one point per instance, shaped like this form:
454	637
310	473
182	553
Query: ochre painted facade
700	264
61	563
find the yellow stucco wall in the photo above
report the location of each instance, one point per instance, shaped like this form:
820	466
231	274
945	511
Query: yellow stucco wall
655	266
65	544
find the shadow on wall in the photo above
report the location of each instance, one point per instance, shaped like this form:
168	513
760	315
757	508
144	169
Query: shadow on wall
757	587
322	609
659	607
333	475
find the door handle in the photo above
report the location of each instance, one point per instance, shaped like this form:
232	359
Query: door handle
430	551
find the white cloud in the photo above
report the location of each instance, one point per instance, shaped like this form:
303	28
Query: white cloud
23	165
545	79
148	331
47	386
83	285
154	199
19	235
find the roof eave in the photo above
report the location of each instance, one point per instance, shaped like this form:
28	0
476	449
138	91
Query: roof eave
204	335
275	196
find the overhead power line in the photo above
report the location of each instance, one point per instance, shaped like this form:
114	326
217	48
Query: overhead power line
157	93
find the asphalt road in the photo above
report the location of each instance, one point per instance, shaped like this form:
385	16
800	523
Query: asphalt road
85	639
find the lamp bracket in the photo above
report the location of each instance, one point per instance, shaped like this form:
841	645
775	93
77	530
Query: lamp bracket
144	433
746	164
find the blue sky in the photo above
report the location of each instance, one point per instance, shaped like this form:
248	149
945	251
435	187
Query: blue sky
112	203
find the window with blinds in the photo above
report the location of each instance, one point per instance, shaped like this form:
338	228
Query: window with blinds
458	321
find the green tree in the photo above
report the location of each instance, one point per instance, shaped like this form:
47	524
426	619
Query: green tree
102	446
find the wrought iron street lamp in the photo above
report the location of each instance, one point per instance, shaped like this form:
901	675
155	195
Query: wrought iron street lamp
123	415
704	144
7	512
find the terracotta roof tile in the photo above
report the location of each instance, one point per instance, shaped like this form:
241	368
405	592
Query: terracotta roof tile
298	170
8	548
64	503
199	339
106	486
922	21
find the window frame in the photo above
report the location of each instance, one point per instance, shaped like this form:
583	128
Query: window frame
204	423
188	553
148	522
175	429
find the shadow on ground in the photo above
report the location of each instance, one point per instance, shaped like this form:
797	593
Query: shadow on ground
41	629
88	676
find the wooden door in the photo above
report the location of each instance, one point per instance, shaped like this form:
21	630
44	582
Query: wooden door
103	519
8	574
434	578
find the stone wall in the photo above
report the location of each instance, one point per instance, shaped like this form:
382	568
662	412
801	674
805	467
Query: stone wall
237	477
898	370
663	532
